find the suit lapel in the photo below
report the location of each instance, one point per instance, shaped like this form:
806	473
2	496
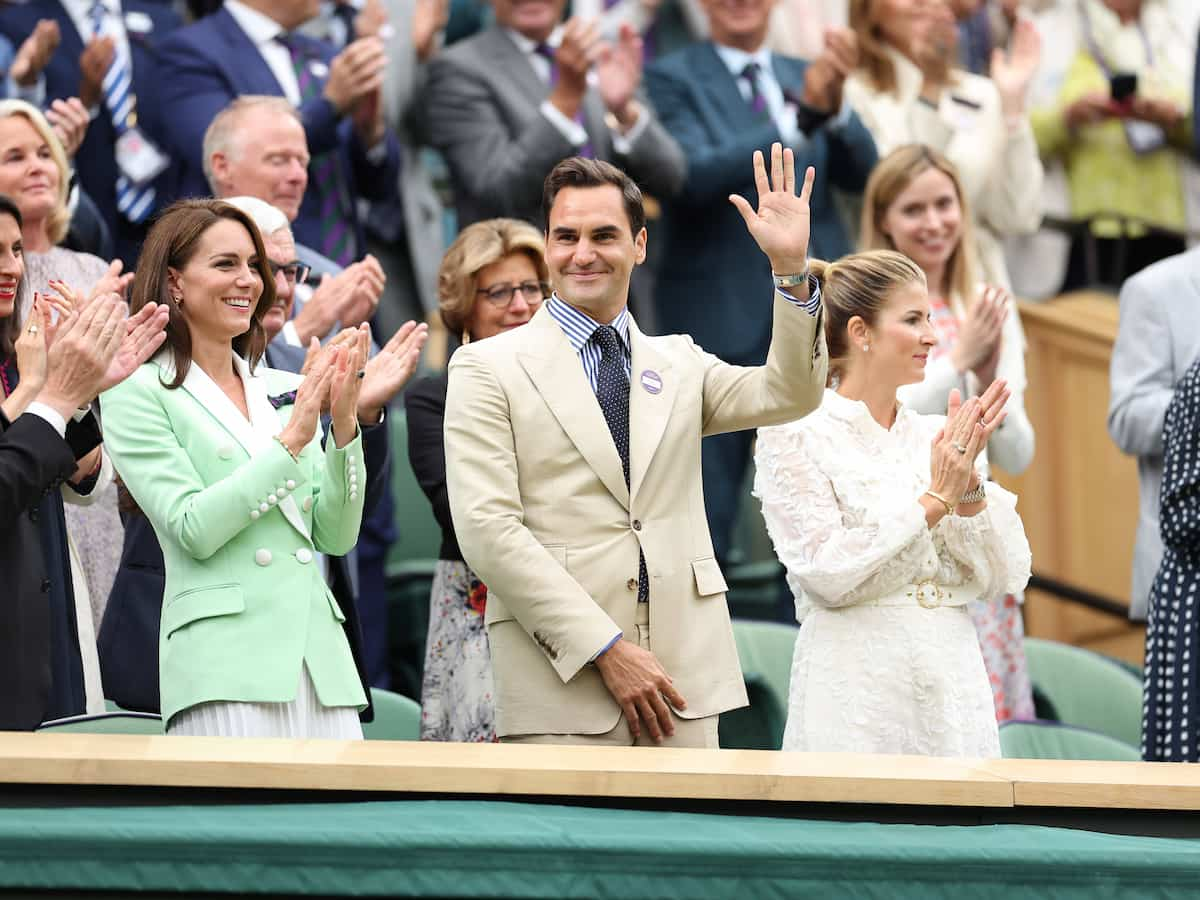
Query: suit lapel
722	88
557	373
510	60
249	64
649	412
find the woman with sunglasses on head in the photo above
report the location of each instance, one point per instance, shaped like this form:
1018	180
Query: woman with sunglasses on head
492	279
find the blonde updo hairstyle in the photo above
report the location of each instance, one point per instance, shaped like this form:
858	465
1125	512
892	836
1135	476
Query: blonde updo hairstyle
475	248
888	180
858	285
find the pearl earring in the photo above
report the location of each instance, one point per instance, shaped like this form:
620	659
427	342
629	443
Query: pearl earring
866	347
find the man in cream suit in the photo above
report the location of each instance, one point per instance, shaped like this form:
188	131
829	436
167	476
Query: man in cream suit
1157	340
573	468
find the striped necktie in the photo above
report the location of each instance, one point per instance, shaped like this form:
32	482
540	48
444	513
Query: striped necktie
547	52
325	174
134	201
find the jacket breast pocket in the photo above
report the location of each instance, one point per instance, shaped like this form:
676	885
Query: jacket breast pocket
202	603
709	579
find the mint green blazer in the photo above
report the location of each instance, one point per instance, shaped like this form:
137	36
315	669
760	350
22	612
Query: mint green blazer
240	523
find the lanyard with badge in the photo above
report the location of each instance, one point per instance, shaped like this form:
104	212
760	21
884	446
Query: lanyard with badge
1143	137
138	157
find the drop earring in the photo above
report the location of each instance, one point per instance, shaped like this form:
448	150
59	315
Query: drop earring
866	347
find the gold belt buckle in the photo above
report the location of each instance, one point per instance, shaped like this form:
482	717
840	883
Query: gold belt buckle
927	593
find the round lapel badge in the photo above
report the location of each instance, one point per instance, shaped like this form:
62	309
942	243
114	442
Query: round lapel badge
651	381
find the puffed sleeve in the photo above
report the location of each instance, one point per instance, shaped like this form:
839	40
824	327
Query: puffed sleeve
826	558
992	544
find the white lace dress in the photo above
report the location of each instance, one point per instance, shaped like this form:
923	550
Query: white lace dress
872	672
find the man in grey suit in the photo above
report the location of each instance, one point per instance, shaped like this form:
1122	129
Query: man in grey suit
508	104
1158	338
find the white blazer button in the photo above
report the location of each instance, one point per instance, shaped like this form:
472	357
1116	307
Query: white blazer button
262	507
225	451
272	499
304	555
281	493
262	556
291	485
353	495
254	514
307	503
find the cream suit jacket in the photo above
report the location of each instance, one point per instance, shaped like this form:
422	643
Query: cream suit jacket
543	514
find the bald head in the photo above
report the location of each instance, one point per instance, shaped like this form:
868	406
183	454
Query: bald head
256	147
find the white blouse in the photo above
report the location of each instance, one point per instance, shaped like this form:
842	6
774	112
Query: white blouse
840	498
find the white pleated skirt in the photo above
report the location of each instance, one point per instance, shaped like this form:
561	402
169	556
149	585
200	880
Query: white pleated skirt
304	717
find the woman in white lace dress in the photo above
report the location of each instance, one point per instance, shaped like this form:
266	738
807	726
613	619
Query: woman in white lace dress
887	532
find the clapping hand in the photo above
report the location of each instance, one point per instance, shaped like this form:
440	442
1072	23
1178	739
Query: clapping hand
962	438
69	118
980	339
35	52
619	73
1011	72
310	399
780	226
344	388
389	370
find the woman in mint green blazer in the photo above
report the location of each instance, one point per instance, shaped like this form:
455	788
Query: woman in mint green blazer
225	457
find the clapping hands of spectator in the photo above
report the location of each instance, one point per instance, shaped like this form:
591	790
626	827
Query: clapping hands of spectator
389	370
69	118
578	50
35	52
619	74
428	19
371	20
825	75
965	433
346	385
350	297
980	338
32	345
355	74
97	56
1012	71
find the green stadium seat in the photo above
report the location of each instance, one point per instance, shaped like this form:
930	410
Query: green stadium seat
765	652
1054	740
107	723
1086	690
397	718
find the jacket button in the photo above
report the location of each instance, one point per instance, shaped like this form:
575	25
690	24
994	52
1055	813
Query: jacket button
262	507
272	499
637	524
45	585
307	503
290	484
304	556
262	556
254	514
33	514
631	584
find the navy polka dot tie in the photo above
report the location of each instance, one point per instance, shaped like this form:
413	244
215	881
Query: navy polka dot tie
612	390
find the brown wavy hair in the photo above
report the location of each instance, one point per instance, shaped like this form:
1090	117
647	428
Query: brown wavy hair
872	48
171	244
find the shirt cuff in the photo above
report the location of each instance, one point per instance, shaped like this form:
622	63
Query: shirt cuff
50	414
607	647
623	142
789	127
34	94
572	131
290	336
810	304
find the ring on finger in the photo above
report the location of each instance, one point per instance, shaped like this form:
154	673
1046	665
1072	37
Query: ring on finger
33	329
959	447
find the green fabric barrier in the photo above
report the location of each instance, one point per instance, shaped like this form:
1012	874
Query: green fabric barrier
448	848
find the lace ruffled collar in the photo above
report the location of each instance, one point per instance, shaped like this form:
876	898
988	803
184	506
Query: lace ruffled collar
855	412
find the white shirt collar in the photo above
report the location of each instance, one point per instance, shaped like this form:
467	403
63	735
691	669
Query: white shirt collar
528	45
259	28
736	60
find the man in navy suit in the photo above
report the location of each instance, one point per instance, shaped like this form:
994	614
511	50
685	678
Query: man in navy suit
250	47
723	99
130	37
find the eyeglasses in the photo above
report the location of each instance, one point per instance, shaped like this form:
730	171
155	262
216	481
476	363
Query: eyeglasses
501	295
294	273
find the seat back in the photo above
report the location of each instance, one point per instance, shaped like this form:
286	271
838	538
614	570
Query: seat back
107	723
397	718
1086	689
418	536
1054	740
765	653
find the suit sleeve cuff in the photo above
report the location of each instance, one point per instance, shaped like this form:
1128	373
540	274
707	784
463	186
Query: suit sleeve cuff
810	304
599	653
571	130
51	415
623	141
